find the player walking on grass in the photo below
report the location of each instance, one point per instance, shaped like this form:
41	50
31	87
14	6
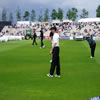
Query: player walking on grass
34	38
55	54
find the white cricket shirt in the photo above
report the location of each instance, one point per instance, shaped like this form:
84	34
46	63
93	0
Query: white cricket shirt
55	40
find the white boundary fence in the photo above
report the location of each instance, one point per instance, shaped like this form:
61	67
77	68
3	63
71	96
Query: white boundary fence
11	38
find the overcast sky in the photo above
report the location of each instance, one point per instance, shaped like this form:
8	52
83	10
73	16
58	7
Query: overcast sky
11	5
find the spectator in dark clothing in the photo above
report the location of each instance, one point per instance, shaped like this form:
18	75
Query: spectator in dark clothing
34	38
92	44
42	36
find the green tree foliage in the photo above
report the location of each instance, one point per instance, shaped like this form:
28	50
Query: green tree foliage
46	15
60	14
54	14
40	17
26	16
18	14
98	11
4	15
33	15
84	14
72	14
11	17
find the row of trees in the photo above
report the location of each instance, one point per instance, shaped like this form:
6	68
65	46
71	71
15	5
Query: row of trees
72	14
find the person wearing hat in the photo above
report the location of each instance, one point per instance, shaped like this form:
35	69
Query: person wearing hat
55	54
92	44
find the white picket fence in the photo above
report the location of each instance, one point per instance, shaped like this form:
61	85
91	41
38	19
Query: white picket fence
10	38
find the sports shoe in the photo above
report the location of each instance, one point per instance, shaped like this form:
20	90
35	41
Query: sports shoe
43	46
91	57
49	75
57	76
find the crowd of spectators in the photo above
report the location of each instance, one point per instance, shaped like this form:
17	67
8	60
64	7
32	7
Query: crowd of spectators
64	29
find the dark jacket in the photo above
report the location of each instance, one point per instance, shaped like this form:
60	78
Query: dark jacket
92	43
34	36
41	35
51	35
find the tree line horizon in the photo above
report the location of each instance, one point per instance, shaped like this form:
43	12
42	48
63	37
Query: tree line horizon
46	16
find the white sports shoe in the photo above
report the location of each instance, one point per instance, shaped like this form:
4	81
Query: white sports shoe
57	76
91	57
44	46
49	75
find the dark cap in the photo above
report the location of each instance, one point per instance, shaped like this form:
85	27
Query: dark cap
53	28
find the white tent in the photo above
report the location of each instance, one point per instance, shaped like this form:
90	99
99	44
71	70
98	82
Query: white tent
89	20
56	21
67	21
35	23
24	23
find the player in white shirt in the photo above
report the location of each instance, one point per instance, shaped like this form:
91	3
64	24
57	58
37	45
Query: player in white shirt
55	54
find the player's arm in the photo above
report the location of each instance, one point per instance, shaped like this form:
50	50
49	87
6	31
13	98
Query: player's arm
52	48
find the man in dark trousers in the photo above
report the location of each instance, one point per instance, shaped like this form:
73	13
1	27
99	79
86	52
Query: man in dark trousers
42	36
55	54
92	44
34	38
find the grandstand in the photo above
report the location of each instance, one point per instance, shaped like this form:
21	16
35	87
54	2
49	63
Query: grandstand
65	30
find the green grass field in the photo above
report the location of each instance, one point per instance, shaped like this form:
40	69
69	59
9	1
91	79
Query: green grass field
23	70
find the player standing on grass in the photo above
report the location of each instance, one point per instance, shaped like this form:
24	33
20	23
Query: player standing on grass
42	36
92	44
55	54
